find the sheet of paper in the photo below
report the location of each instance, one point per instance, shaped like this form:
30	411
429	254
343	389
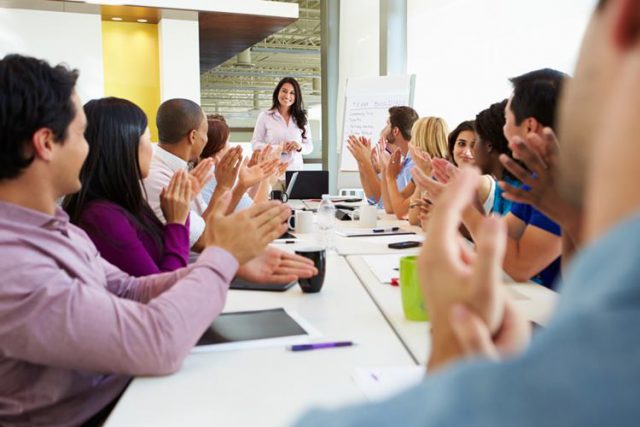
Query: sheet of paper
381	383
384	267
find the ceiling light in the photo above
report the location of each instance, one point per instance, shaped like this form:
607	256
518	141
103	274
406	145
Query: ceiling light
143	21
116	18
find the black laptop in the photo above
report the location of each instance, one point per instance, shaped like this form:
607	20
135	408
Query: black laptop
308	185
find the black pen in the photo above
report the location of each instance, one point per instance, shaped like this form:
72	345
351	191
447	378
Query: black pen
386	230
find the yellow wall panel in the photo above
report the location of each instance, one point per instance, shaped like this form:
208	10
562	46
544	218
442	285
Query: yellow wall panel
132	66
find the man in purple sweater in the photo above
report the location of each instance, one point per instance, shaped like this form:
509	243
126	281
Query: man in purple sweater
73	328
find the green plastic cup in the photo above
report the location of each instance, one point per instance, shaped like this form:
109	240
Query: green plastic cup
412	301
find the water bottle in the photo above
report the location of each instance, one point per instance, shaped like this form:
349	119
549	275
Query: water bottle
326	220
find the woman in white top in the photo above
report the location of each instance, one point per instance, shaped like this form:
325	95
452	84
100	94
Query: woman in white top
285	125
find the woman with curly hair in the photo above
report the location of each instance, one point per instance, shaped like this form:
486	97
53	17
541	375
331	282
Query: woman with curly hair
285	125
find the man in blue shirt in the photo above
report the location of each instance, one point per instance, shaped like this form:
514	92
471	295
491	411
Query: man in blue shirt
534	241
396	135
582	369
532	108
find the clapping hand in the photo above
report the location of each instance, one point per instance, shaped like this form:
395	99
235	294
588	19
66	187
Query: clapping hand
176	198
433	187
277	266
245	234
444	170
228	167
382	157
360	148
200	175
248	176
422	159
463	290
394	166
540	154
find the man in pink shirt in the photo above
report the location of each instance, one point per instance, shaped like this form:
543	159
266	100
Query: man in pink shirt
73	328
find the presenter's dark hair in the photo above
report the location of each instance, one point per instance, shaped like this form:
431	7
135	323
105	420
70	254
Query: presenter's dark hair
468	125
176	118
33	95
112	169
217	135
535	94
403	118
297	109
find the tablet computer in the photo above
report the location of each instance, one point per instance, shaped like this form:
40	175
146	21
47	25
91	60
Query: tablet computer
245	285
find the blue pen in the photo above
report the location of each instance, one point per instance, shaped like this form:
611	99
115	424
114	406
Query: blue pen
320	345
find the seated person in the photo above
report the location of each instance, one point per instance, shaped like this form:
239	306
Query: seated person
182	130
529	129
74	329
487	148
491	143
249	180
534	245
110	206
429	137
460	143
372	161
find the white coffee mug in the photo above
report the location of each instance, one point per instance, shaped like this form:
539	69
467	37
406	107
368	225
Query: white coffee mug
368	216
303	222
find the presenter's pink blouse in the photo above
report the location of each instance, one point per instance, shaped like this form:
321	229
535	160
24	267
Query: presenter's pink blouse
271	128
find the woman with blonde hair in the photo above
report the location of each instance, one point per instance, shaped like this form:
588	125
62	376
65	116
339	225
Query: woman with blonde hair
428	140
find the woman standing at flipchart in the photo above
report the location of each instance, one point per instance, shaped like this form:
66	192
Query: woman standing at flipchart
285	125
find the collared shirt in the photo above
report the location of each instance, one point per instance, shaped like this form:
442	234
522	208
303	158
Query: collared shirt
74	329
581	370
271	128
163	166
402	180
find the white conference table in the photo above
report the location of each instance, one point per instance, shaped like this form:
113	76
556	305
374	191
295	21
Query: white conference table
535	301
364	245
272	386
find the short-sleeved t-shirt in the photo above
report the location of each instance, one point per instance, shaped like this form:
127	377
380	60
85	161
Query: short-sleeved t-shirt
532	216
502	206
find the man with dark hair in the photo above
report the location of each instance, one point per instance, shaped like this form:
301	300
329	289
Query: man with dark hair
401	120
182	130
73	328
582	370
54	92
178	117
533	102
530	118
396	135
